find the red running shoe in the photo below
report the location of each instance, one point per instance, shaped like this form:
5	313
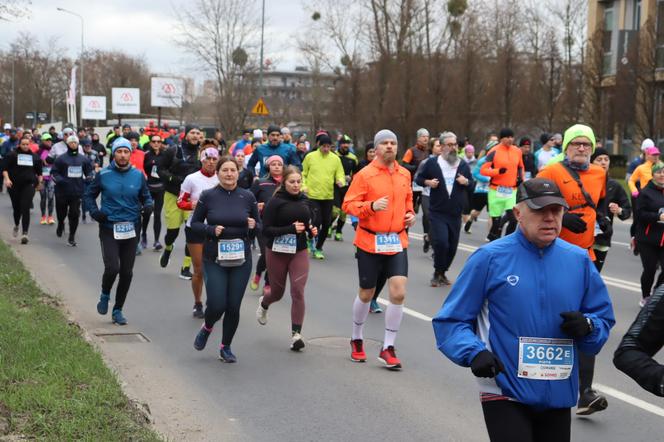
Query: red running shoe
389	358
357	353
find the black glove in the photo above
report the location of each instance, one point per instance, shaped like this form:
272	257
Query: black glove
502	170
486	365
574	223
575	324
605	225
100	217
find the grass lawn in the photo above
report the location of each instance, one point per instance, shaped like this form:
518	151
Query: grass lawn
53	384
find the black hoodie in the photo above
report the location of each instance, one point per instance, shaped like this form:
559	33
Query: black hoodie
178	162
282	211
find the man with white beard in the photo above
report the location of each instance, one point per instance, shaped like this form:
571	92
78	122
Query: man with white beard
449	178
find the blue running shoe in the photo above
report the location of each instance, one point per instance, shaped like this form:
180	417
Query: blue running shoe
226	355
375	307
201	338
102	305
118	317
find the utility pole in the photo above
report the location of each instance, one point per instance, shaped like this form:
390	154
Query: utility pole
260	72
67	11
13	91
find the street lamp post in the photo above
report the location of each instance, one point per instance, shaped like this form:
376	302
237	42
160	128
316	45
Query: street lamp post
80	113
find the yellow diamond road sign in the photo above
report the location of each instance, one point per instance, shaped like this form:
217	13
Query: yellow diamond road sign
260	108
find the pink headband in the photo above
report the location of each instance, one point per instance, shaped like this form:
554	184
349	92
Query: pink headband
210	152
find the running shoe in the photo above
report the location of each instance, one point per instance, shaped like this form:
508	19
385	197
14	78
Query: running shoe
139	250
185	273
297	343
466	227
389	358
590	402
118	318
157	246
261	313
444	280
338	237
374	307
165	258
71	242
427	245
24	239
144	241
51	220
43	220
253	285
357	353
201	338
60	230
318	254
226	355
102	305
644	301
15	232
198	311
436	279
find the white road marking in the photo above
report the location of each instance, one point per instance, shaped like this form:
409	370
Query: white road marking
408	311
630	399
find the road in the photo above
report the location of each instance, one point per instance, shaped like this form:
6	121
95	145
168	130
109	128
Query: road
274	394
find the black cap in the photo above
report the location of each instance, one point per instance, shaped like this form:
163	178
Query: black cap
505	132
539	193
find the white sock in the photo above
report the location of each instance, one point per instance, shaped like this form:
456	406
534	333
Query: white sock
360	313
393	315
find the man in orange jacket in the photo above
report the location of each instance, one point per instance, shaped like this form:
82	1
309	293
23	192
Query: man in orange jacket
380	195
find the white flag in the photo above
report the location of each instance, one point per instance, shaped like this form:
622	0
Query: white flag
72	86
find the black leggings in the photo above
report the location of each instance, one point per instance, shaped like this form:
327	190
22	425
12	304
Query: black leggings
509	421
651	256
158	198
225	288
21	197
118	256
600	257
324	208
261	265
425	215
68	206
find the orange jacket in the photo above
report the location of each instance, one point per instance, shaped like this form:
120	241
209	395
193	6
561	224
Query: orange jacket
370	184
137	159
594	182
508	157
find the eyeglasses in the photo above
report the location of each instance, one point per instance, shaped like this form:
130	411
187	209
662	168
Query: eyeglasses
451	144
579	144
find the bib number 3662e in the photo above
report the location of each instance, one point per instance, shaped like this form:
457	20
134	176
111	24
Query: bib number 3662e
545	359
124	230
388	243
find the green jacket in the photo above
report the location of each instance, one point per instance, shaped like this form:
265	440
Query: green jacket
320	173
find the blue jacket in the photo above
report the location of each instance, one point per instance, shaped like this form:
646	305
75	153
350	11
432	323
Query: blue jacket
60	173
265	151
482	181
440	201
509	289
124	193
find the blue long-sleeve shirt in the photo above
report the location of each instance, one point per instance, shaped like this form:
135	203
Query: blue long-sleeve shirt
510	289
286	151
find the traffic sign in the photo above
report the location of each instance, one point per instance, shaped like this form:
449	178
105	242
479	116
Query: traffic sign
29	115
260	108
42	116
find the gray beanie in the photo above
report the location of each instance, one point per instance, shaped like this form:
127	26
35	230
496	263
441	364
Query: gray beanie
422	133
382	135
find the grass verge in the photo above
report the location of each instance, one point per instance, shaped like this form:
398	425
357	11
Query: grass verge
53	384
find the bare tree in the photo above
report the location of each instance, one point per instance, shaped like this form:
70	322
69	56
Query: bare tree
13	9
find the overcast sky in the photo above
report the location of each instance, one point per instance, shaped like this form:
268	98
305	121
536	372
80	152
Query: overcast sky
144	27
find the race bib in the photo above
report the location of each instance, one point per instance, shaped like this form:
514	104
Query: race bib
545	359
124	230
504	191
285	244
24	159
598	230
388	243
482	187
74	171
230	250
46	171
153	172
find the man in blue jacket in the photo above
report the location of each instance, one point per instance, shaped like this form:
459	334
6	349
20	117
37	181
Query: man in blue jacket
449	179
519	326
124	194
274	146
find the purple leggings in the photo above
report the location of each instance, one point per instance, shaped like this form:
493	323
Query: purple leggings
279	266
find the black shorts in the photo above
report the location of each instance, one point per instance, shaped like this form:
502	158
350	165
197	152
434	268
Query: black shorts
371	265
193	237
478	201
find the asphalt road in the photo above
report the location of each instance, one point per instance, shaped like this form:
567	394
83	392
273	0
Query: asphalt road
274	394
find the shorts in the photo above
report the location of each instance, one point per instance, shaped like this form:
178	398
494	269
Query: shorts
173	215
478	201
371	265
499	205
193	237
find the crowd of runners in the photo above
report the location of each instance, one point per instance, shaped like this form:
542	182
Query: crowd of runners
529	336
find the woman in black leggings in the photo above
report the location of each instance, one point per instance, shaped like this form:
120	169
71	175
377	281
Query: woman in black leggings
226	217
650	229
22	175
151	165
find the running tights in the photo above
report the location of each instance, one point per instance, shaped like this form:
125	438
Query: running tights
47	197
296	268
68	206
118	256
158	198
324	209
225	288
21	197
651	257
509	421
260	264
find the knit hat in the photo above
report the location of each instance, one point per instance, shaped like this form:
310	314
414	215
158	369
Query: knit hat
384	135
578	130
469	148
544	138
345	139
257	133
72	139
189	127
324	139
646	144
133	136
120	142
285	131
657	166
274	158
422	133
525	141
67	130
505	132
273	128
599	151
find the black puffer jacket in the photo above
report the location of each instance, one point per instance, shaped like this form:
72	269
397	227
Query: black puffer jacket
178	162
649	206
614	194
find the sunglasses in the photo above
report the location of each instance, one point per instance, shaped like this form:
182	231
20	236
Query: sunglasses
155	141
